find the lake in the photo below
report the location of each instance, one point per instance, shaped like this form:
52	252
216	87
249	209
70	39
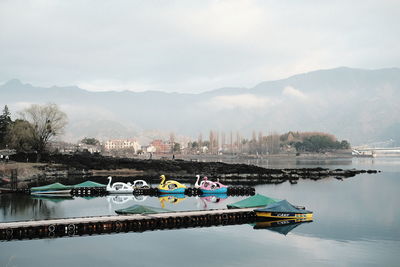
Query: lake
356	223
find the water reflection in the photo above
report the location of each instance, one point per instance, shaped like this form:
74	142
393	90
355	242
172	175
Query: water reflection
356	223
122	199
280	226
204	200
15	207
55	198
171	198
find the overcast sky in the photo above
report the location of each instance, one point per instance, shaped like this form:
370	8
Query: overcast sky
190	46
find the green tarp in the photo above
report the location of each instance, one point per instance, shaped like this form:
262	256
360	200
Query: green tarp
282	206
141	209
51	187
253	202
89	184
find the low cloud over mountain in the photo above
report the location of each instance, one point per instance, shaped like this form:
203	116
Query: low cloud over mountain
355	104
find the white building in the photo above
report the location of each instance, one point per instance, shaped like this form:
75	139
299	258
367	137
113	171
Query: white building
119	144
151	149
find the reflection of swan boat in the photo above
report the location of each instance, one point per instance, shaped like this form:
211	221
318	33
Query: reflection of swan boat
171	198
124	188
212	198
283	210
122	199
170	186
209	187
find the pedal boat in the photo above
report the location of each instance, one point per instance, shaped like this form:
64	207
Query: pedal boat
209	187
170	186
119	187
283	210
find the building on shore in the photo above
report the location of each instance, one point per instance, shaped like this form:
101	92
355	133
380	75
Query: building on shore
122	144
161	146
82	147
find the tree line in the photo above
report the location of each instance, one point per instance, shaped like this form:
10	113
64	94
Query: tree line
268	144
33	128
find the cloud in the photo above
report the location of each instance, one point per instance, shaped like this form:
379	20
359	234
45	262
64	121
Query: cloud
190	46
242	101
290	91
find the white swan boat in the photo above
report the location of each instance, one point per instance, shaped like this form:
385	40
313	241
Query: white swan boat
125	188
140	184
119	187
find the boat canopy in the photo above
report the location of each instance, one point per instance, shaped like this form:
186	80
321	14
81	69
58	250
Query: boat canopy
282	206
89	184
253	202
141	209
51	187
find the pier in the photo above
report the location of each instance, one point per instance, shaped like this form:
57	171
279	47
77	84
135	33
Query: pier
95	225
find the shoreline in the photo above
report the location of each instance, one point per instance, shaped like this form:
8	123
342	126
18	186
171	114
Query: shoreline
69	168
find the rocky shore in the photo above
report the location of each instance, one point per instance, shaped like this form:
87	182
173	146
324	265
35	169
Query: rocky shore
59	167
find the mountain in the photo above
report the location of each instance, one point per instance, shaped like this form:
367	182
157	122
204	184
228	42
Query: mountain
355	104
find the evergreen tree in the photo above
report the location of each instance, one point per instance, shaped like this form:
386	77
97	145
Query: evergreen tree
5	121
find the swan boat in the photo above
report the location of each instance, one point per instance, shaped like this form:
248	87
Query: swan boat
125	188
209	187
170	186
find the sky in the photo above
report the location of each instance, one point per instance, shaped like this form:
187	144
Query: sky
190	46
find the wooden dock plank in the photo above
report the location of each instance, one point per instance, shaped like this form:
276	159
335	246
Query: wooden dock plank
114	218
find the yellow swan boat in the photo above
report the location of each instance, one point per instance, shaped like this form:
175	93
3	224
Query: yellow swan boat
170	186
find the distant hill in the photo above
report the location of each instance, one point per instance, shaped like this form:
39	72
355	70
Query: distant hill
355	104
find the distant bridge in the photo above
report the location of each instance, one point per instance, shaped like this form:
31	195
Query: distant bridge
374	150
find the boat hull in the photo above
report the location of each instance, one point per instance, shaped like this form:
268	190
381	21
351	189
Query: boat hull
284	215
173	191
222	190
120	191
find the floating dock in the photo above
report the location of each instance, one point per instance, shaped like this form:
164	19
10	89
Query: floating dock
98	191
78	226
101	191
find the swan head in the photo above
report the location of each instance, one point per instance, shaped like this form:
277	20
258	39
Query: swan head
109	178
162	177
197	176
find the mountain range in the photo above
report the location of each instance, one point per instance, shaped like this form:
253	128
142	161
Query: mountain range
358	105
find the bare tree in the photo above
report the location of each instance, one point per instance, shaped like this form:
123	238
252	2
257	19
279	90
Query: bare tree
200	140
47	122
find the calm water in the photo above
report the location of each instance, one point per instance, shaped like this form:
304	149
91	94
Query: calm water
356	223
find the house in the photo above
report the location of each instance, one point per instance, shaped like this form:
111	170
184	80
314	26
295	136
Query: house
161	146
